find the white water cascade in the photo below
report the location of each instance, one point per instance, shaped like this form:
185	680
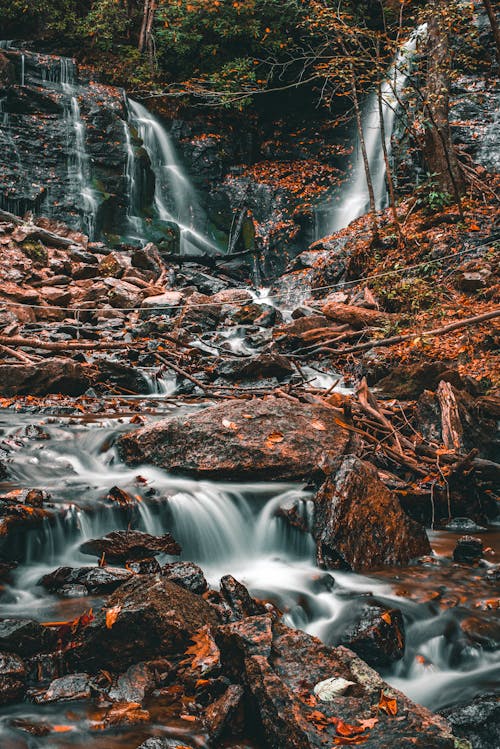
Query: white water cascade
353	200
79	167
175	197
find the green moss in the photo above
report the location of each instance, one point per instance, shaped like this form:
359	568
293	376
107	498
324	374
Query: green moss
36	252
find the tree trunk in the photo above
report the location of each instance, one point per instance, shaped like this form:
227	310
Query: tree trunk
366	163
148	16
494	27
438	148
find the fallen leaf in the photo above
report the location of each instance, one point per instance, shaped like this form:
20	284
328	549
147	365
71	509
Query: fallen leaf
318	425
330	688
112	615
388	704
387	617
190	718
205	651
368	723
275	437
62	729
229	424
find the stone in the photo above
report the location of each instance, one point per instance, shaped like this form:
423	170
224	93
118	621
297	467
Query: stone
377	635
186	574
165	743
66	689
137	682
477	721
55	375
145	617
123	295
238	599
359	523
356	317
114	265
148	258
255	368
219	716
122	375
98	580
468	550
12	678
120	546
272	438
22	636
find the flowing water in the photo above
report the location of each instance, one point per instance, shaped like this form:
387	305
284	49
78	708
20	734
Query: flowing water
353	200
231	528
176	200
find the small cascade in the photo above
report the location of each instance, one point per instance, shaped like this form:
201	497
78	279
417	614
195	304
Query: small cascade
353	200
23	66
175	197
135	222
79	167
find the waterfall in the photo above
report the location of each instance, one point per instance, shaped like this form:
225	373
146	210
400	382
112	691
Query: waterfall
175	197
354	201
79	167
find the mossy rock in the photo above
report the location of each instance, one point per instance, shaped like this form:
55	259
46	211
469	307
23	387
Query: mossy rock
36	251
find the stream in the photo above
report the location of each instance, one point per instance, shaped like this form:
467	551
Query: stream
229	528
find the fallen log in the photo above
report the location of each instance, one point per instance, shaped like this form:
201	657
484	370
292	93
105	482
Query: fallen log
36	343
37	232
376	343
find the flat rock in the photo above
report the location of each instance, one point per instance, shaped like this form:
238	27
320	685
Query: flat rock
264	438
55	375
359	523
120	546
66	689
94	579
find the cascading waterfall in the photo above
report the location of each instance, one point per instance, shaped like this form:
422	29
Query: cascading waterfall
79	167
175	197
353	200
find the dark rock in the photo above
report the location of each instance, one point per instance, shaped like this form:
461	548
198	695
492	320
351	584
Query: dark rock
48	376
377	635
256	367
463	525
186	574
66	689
149	566
148	258
271	437
220	715
120	546
477	721
239	599
97	580
22	636
12	678
165	743
115	373
137	682
468	550
149	616
407	382
359	524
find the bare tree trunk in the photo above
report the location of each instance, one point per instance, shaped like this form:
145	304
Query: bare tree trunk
494	27
148	16
366	163
388	172
438	148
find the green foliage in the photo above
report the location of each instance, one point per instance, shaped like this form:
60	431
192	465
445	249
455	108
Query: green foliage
36	252
406	295
107	23
431	198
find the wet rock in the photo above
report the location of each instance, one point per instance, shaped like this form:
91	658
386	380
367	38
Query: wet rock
477	721
256	367
463	525
295	512
12	678
482	631
239	599
146	617
115	373
120	546
148	258
359	524
281	679
267	437
66	689
114	265
377	635
96	580
186	574
149	566
123	295
220	715
165	743
409	381
137	682
22	636
468	550
356	317
170	300
57	375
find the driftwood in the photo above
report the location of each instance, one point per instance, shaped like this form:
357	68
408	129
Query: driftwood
451	426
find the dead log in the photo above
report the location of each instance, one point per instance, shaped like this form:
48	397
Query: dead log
451	425
408	336
37	232
356	317
36	343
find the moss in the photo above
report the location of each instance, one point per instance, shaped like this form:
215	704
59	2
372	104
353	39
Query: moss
36	252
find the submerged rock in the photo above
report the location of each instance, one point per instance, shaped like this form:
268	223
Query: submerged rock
359	523
264	438
120	546
377	635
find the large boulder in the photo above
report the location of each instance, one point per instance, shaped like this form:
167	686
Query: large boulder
359	523
121	546
284	671
264	438
146	617
55	375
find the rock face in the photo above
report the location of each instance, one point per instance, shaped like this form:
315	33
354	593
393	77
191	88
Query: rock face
145	617
268	438
55	375
359	523
280	668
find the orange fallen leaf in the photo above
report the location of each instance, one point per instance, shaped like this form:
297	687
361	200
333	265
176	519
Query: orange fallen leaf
318	425
387	617
368	723
190	718
275	437
112	615
205	651
349	740
62	729
388	704
229	424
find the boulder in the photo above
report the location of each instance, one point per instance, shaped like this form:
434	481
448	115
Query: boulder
96	580
186	574
238	599
468	550
220	715
148	258
12	678
146	617
115	373
22	636
377	635
66	689
255	368
280	674
478	721
120	546
265	437
56	375
359	523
